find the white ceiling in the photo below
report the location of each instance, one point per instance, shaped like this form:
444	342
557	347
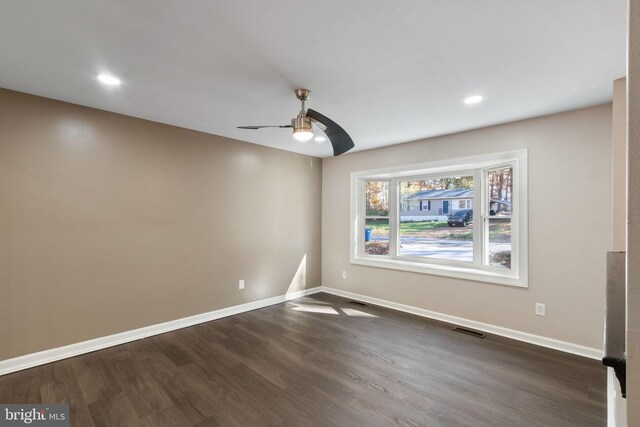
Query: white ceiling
387	71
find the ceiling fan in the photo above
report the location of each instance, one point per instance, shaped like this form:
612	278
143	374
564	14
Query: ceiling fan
303	131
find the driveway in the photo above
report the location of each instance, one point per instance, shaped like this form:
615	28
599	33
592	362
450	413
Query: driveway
460	250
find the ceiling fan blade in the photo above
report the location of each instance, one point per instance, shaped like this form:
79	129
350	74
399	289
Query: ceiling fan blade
260	127
340	140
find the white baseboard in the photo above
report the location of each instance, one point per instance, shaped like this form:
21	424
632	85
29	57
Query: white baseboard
580	350
48	356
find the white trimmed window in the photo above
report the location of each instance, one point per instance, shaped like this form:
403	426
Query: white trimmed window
464	204
487	243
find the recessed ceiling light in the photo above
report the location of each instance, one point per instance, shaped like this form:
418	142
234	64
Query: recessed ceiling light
473	99
109	80
319	139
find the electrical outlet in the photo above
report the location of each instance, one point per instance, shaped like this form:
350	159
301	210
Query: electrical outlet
344	274
540	309
241	284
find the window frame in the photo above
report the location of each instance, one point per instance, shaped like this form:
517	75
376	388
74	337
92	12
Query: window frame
375	217
476	166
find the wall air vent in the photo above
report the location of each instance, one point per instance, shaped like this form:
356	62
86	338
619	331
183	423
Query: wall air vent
469	332
361	304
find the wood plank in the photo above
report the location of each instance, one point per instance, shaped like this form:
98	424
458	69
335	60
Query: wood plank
320	360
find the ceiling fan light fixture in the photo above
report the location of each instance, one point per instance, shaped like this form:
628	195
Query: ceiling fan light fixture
302	135
340	140
302	130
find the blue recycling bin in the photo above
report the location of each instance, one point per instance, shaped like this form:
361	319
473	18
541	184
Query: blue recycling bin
367	234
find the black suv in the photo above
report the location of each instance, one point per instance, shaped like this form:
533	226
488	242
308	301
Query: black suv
461	218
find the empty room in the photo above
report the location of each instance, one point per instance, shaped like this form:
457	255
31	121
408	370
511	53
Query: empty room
292	213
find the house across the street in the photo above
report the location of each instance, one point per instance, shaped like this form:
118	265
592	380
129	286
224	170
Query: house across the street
435	205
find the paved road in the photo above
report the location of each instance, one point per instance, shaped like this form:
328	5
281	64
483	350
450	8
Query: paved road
460	250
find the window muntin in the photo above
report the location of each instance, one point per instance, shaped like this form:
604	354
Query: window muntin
499	226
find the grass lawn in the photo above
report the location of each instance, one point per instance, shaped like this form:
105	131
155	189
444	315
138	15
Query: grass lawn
499	232
381	226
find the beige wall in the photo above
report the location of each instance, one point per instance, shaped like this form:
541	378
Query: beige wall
617	404
633	231
109	223
619	165
569	157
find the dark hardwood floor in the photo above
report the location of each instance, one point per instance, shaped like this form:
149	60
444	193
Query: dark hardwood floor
320	360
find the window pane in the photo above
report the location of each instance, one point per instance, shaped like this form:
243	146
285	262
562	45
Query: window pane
376	237
377	198
435	218
500	242
500	191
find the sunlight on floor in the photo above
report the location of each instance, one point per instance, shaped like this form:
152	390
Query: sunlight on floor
356	313
324	309
315	309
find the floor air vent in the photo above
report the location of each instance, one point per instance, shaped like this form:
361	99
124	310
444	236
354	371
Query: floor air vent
361	304
469	332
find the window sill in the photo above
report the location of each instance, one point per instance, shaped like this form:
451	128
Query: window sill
443	270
